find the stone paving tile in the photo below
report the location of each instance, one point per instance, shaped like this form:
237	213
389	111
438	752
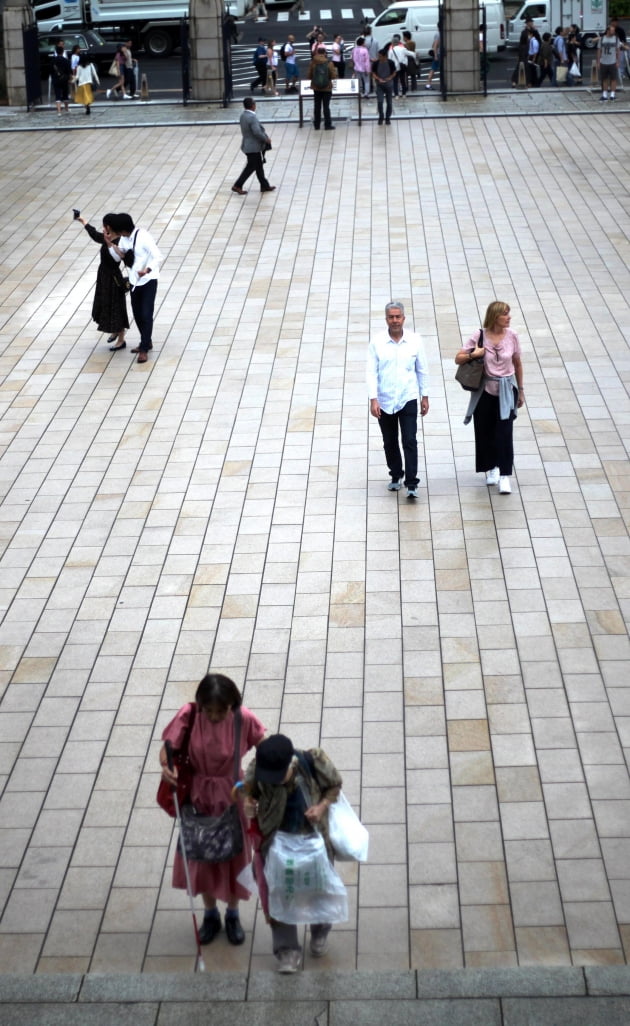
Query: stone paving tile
463	660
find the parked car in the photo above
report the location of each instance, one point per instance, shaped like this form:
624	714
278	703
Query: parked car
101	51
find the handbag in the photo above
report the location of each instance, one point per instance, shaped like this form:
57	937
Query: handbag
470	374
214	838
181	759
347	834
561	73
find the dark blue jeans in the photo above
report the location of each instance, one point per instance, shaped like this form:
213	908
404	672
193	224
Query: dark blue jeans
384	92
407	418
142	304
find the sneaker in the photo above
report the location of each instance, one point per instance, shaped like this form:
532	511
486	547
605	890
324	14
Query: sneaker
505	487
612	97
394	486
319	945
288	961
412	493
428	87
108	93
492	476
603	97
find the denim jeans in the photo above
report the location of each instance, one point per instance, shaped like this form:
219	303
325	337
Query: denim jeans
384	91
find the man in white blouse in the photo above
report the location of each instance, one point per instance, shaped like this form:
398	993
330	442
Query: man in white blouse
138	249
397	375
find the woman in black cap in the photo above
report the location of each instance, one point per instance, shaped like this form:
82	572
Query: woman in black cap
277	785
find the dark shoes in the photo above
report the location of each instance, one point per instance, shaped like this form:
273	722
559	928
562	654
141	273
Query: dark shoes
233	930
142	357
137	349
114	349
210	927
329	128
241	192
269	188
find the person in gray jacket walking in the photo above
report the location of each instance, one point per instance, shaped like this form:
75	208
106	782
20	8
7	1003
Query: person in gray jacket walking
254	144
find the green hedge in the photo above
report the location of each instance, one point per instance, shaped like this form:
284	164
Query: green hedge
619	9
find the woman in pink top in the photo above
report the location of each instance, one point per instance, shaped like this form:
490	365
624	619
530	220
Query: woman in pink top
362	66
493	406
211	752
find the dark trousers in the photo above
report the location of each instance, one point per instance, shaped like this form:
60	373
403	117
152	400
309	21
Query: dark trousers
321	100
142	304
407	418
130	81
494	445
400	82
254	165
384	92
261	69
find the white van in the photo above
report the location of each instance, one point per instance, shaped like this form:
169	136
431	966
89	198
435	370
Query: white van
420	17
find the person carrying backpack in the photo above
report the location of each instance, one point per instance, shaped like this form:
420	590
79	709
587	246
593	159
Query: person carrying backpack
321	72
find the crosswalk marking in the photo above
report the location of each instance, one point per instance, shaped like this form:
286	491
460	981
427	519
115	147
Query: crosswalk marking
283	15
347	13
324	15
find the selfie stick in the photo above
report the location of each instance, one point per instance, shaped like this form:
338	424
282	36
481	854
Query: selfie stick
200	965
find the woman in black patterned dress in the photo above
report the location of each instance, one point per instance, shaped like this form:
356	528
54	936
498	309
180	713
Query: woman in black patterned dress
109	308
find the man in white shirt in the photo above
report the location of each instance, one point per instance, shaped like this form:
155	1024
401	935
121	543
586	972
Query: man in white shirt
139	252
397	373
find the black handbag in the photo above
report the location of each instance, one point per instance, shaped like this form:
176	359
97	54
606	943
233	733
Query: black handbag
214	838
470	374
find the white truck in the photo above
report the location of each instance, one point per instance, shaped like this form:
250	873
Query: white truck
152	24
591	17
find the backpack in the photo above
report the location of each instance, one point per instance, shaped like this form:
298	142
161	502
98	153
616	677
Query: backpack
321	75
283	52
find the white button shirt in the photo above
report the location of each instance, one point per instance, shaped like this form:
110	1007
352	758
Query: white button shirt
146	255
397	371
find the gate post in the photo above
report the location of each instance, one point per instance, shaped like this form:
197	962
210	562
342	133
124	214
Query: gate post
16	16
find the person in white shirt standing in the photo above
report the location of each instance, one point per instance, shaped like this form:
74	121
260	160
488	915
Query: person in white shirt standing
140	253
397	374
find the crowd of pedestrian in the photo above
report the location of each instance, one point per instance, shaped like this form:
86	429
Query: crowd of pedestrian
557	57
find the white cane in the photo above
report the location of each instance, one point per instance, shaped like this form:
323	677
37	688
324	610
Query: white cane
200	965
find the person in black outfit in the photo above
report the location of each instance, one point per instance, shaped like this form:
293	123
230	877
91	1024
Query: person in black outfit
260	63
61	73
109	308
523	50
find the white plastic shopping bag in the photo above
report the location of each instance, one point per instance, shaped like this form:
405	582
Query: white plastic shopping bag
348	836
303	885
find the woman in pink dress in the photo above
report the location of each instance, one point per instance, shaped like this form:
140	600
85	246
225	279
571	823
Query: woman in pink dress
211	752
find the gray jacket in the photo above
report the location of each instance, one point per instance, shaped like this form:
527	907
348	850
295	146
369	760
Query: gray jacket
254	135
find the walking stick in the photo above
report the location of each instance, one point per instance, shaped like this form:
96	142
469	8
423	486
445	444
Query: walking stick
200	965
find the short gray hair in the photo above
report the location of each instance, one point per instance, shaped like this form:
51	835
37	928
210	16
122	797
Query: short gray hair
392	305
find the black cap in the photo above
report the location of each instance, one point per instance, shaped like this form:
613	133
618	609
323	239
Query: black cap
273	757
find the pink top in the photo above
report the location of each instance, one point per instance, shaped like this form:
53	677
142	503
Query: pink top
498	360
361	59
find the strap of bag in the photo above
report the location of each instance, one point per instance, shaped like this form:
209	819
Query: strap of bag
480	342
183	751
237	743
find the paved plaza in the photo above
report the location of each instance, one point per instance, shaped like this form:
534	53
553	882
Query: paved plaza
463	658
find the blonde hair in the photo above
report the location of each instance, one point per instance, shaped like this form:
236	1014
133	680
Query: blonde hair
494	311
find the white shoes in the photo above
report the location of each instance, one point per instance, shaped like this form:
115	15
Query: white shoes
108	93
505	487
492	476
394	486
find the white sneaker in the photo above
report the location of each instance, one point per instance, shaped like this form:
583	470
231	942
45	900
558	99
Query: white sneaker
505	487
492	476
394	486
288	961
108	93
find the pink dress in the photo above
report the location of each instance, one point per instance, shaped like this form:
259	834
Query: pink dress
211	750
